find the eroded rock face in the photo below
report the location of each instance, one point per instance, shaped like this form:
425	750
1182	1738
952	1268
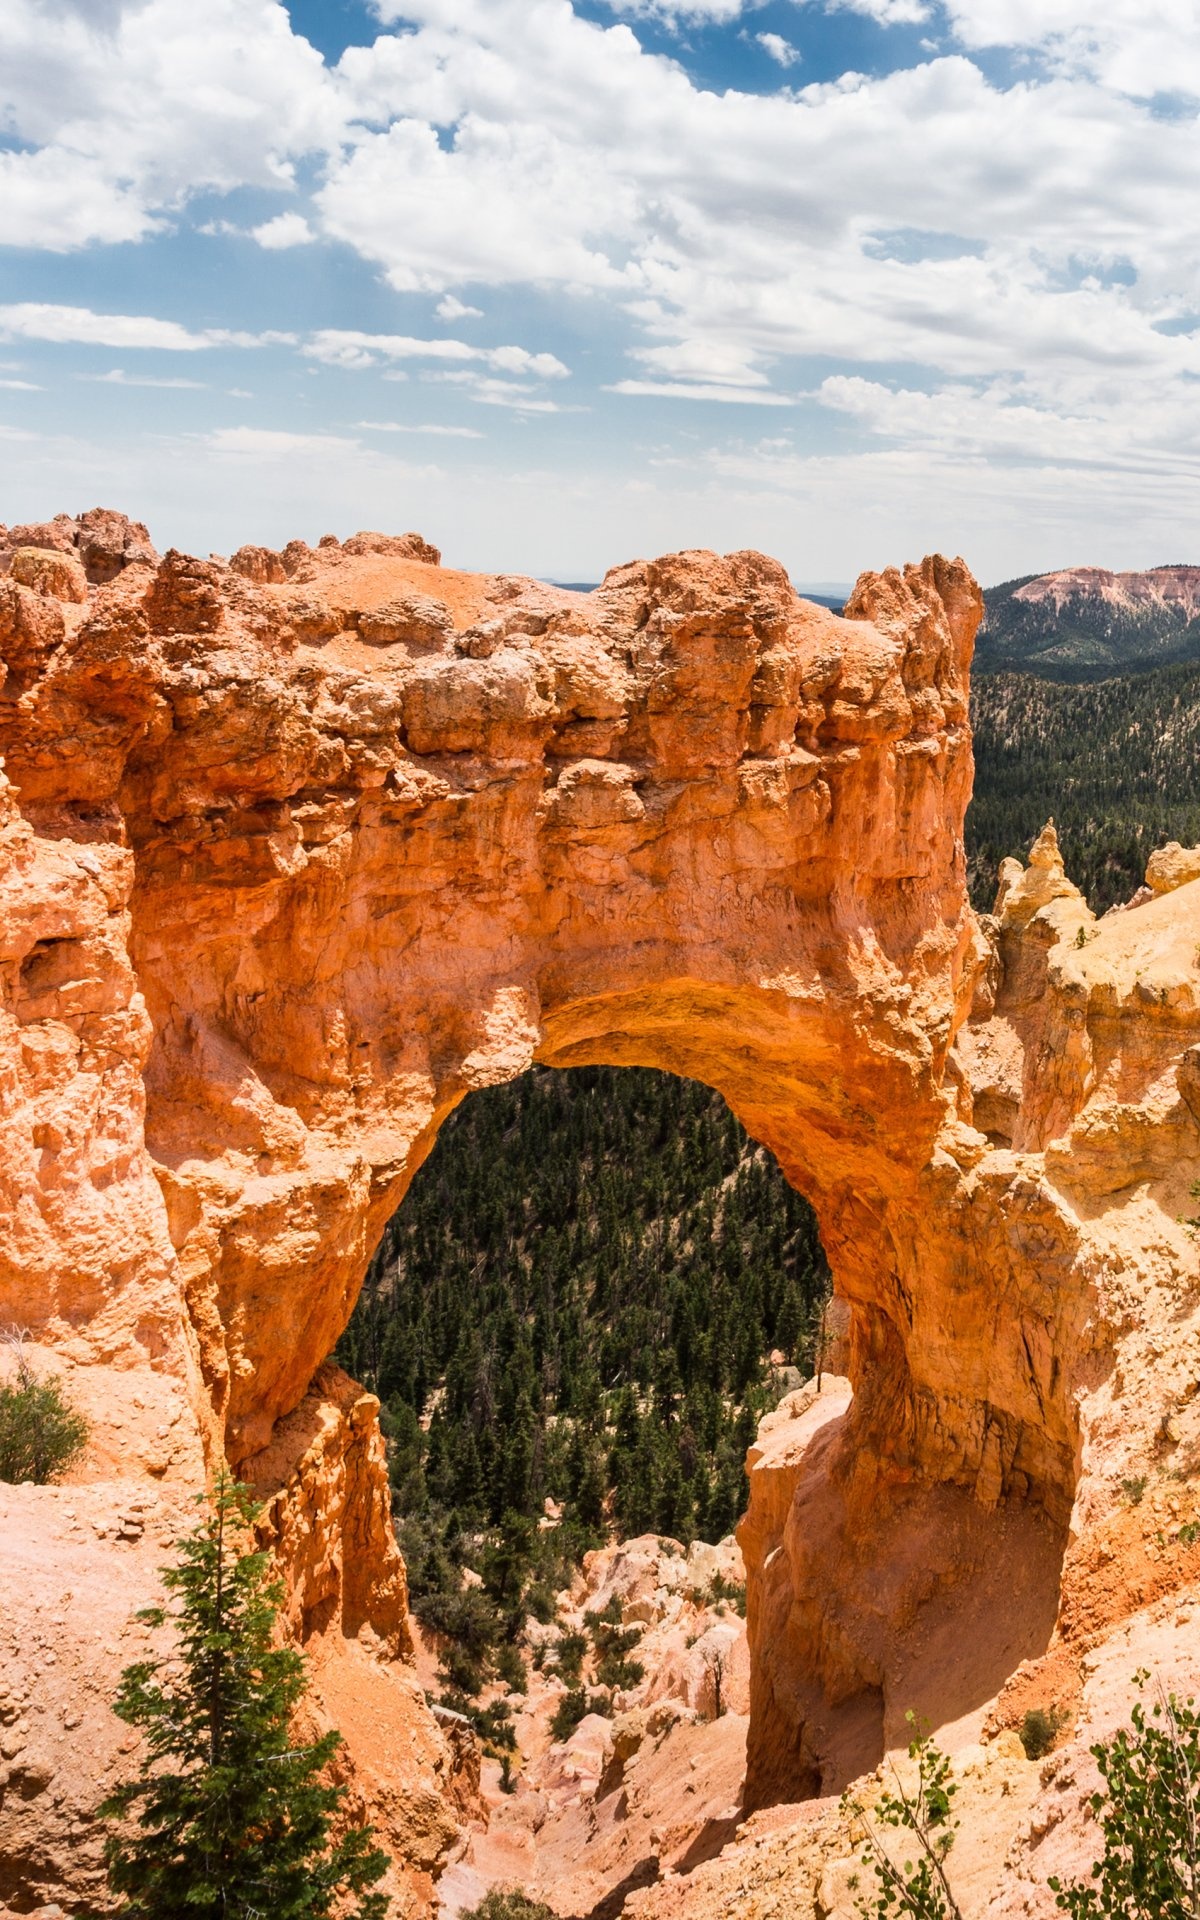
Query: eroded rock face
103	543
299	851
1064	1195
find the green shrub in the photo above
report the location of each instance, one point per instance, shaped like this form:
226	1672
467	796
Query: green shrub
734	1591
510	1668
1149	1813
510	1906
571	1649
539	1601
495	1728
572	1708
41	1434
1039	1730
461	1671
465	1616
1134	1489
615	1669
613	1643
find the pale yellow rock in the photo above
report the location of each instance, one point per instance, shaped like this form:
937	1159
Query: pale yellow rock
1172	866
1024	891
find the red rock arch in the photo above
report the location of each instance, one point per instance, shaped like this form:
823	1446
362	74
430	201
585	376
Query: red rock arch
336	837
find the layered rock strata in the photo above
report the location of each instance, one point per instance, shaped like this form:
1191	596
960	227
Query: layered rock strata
300	849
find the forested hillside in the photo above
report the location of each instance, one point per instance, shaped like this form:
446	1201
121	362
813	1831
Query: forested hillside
576	1303
1116	762
1086	623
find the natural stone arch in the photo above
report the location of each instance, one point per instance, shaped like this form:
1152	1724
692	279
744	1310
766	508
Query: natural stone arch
398	832
698	825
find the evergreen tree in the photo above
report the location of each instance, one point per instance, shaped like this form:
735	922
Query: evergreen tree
232	1819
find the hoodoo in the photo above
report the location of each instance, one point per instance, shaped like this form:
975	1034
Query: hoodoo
299	849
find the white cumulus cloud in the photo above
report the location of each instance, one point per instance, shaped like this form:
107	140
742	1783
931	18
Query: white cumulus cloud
285	230
889	13
450	307
1022	255
129	108
781	51
675	13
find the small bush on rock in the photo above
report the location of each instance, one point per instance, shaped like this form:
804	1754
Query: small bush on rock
510	1906
1039	1730
41	1434
570	1651
574	1707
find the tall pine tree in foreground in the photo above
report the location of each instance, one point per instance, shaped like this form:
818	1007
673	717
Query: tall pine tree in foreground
227	1818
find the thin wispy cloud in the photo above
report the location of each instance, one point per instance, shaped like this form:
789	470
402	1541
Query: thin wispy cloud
80	326
702	390
430	427
118	377
340	347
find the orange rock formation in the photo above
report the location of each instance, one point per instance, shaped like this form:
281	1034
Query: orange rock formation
296	851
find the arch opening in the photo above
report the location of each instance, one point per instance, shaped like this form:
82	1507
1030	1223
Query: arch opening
595	1287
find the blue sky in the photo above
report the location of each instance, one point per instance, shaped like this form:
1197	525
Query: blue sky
556	284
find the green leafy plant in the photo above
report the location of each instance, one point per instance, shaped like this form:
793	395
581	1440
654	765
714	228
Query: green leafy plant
510	1668
41	1434
917	1887
1149	1814
613	1644
1134	1489
226	1816
1039	1730
734	1591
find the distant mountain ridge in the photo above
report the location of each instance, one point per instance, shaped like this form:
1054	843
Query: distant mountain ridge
1088	623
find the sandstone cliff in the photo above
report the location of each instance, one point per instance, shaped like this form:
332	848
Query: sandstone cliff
297	850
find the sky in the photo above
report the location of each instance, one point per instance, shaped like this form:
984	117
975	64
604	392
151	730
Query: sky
562	282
